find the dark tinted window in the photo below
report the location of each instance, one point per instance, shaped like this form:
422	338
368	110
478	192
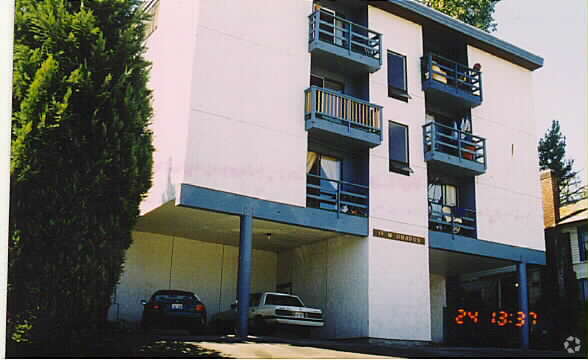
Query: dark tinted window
174	296
285	300
396	72
254	300
398	147
583	242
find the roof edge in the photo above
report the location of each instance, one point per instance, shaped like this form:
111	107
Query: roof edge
478	37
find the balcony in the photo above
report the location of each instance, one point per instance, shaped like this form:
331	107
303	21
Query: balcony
336	118
458	152
352	47
337	196
452	219
450	83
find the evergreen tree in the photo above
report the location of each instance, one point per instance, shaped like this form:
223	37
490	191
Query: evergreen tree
552	152
81	160
477	13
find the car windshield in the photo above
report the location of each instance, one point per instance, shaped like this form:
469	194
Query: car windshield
285	300
168	297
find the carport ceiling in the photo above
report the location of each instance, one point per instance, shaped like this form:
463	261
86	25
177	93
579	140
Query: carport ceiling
450	263
221	228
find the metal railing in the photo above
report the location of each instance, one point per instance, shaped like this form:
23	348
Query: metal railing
350	111
454	142
452	74
325	26
336	195
451	219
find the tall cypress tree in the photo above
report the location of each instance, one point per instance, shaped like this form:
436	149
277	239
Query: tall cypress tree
552	153
81	160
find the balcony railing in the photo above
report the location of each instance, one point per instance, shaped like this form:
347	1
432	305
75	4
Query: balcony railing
335	195
338	36
452	78
452	219
343	114
456	148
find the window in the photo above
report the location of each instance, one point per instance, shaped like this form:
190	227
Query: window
443	194
284	300
325	172
398	148
583	243
317	80
397	84
583	287
332	27
254	299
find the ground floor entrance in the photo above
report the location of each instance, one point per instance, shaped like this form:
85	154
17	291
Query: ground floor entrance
485	301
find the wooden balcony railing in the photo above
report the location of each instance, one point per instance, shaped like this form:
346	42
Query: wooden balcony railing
331	105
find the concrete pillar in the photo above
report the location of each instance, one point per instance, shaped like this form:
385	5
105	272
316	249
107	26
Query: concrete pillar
524	303
244	275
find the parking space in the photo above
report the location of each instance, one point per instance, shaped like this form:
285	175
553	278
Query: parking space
196	250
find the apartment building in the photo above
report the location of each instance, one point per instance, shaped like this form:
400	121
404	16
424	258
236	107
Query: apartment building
360	154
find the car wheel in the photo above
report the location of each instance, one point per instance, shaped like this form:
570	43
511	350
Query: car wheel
223	327
261	328
146	326
198	328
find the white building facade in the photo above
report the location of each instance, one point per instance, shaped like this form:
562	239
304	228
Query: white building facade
368	151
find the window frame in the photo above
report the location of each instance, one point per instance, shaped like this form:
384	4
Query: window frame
583	287
324	81
394	92
582	239
443	188
395	165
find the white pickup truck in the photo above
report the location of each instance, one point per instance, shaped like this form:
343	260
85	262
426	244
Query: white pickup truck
268	309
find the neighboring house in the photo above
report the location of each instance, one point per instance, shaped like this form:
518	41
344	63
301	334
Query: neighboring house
365	155
573	222
565	280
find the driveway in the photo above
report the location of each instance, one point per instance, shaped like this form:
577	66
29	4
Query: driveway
172	345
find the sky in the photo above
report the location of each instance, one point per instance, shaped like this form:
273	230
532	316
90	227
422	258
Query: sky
556	31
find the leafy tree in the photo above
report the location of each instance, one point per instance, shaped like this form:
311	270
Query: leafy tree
81	160
552	151
477	13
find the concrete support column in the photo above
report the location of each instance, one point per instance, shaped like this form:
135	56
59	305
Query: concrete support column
524	303
244	276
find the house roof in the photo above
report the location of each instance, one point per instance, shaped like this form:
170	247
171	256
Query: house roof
423	14
574	212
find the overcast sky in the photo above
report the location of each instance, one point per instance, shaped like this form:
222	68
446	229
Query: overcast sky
556	31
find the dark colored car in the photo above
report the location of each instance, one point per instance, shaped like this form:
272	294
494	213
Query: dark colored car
174	309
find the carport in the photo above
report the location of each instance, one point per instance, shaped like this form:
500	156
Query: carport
452	255
248	224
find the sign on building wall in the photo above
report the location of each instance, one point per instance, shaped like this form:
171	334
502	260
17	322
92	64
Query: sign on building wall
401	237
